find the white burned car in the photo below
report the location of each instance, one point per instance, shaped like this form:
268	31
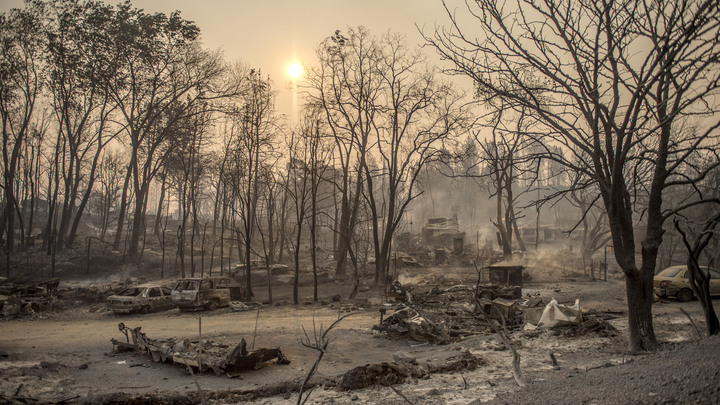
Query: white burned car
143	298
206	293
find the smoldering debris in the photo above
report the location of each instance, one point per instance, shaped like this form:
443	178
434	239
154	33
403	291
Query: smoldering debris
201	355
443	316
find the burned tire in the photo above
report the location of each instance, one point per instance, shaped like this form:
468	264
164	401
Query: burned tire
212	305
685	295
488	295
145	310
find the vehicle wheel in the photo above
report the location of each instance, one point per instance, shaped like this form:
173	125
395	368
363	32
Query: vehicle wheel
145	310
212	305
488	295
685	295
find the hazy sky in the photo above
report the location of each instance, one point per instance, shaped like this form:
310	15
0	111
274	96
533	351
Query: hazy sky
269	34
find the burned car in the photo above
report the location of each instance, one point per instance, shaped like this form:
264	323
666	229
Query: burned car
206	293
143	298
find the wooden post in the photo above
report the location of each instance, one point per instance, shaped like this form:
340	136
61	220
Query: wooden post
255	332
87	270
200	344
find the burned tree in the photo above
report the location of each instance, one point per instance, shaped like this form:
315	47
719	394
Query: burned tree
79	67
700	277
21	81
162	75
344	86
388	114
299	189
616	80
253	130
416	113
507	162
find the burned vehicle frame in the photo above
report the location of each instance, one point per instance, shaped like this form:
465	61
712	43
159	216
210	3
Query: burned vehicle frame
206	293
202	354
144	298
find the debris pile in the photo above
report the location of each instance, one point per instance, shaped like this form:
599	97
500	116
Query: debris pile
397	372
26	298
239	306
448	315
201	355
438	316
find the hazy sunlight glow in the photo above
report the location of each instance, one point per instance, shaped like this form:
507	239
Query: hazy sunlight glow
295	70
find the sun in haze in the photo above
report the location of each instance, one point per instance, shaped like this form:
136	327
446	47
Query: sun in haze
295	70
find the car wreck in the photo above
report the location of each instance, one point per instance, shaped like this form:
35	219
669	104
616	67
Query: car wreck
143	298
201	354
206	293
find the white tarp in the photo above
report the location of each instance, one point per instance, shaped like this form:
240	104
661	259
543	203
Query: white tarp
555	313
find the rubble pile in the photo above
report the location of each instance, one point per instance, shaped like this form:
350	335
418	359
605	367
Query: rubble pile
438	316
442	316
25	298
200	355
397	372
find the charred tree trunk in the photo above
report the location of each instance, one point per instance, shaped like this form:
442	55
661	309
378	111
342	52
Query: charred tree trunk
138	223
123	208
699	281
639	291
161	200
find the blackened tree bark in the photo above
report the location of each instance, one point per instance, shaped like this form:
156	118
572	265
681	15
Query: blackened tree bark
253	132
20	87
345	86
700	280
634	69
419	113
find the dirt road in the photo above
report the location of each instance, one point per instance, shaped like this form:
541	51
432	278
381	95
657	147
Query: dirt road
82	353
71	355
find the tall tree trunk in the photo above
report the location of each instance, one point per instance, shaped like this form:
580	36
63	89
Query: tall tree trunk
192	234
283	222
85	198
138	223
123	208
313	243
502	229
639	289
296	279
161	199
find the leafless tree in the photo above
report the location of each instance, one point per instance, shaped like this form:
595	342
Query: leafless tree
78	68
508	163
699	278
416	114
21	70
344	85
162	74
388	114
319	157
105	197
614	80
299	192
254	129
